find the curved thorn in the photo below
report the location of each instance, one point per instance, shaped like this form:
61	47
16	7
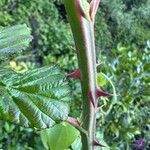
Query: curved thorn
100	92
75	74
96	143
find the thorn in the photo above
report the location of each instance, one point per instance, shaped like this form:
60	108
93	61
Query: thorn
100	92
96	143
93	8
73	121
92	99
75	74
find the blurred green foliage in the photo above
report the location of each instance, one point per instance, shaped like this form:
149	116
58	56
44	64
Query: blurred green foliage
51	33
125	119
122	30
14	137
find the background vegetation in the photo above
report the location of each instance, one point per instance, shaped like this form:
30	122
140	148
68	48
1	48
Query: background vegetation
123	48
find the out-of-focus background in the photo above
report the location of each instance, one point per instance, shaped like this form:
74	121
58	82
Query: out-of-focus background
122	33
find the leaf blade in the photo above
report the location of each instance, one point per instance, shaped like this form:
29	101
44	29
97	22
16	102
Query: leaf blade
59	137
34	105
14	39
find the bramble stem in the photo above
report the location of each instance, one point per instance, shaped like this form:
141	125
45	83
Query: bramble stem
83	32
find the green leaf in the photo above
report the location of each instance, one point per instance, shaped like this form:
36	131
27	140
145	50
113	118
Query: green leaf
77	144
14	39
59	137
38	98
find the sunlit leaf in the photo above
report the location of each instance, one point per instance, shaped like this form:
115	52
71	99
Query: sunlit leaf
38	98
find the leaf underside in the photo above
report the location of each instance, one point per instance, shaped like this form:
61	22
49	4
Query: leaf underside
37	98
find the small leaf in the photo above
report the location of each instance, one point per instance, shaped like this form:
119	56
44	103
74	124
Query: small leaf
38	98
59	137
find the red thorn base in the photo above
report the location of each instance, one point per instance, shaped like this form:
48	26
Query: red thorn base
100	92
75	74
73	121
96	143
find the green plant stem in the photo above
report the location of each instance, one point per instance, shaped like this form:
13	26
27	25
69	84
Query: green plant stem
88	83
83	32
89	125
